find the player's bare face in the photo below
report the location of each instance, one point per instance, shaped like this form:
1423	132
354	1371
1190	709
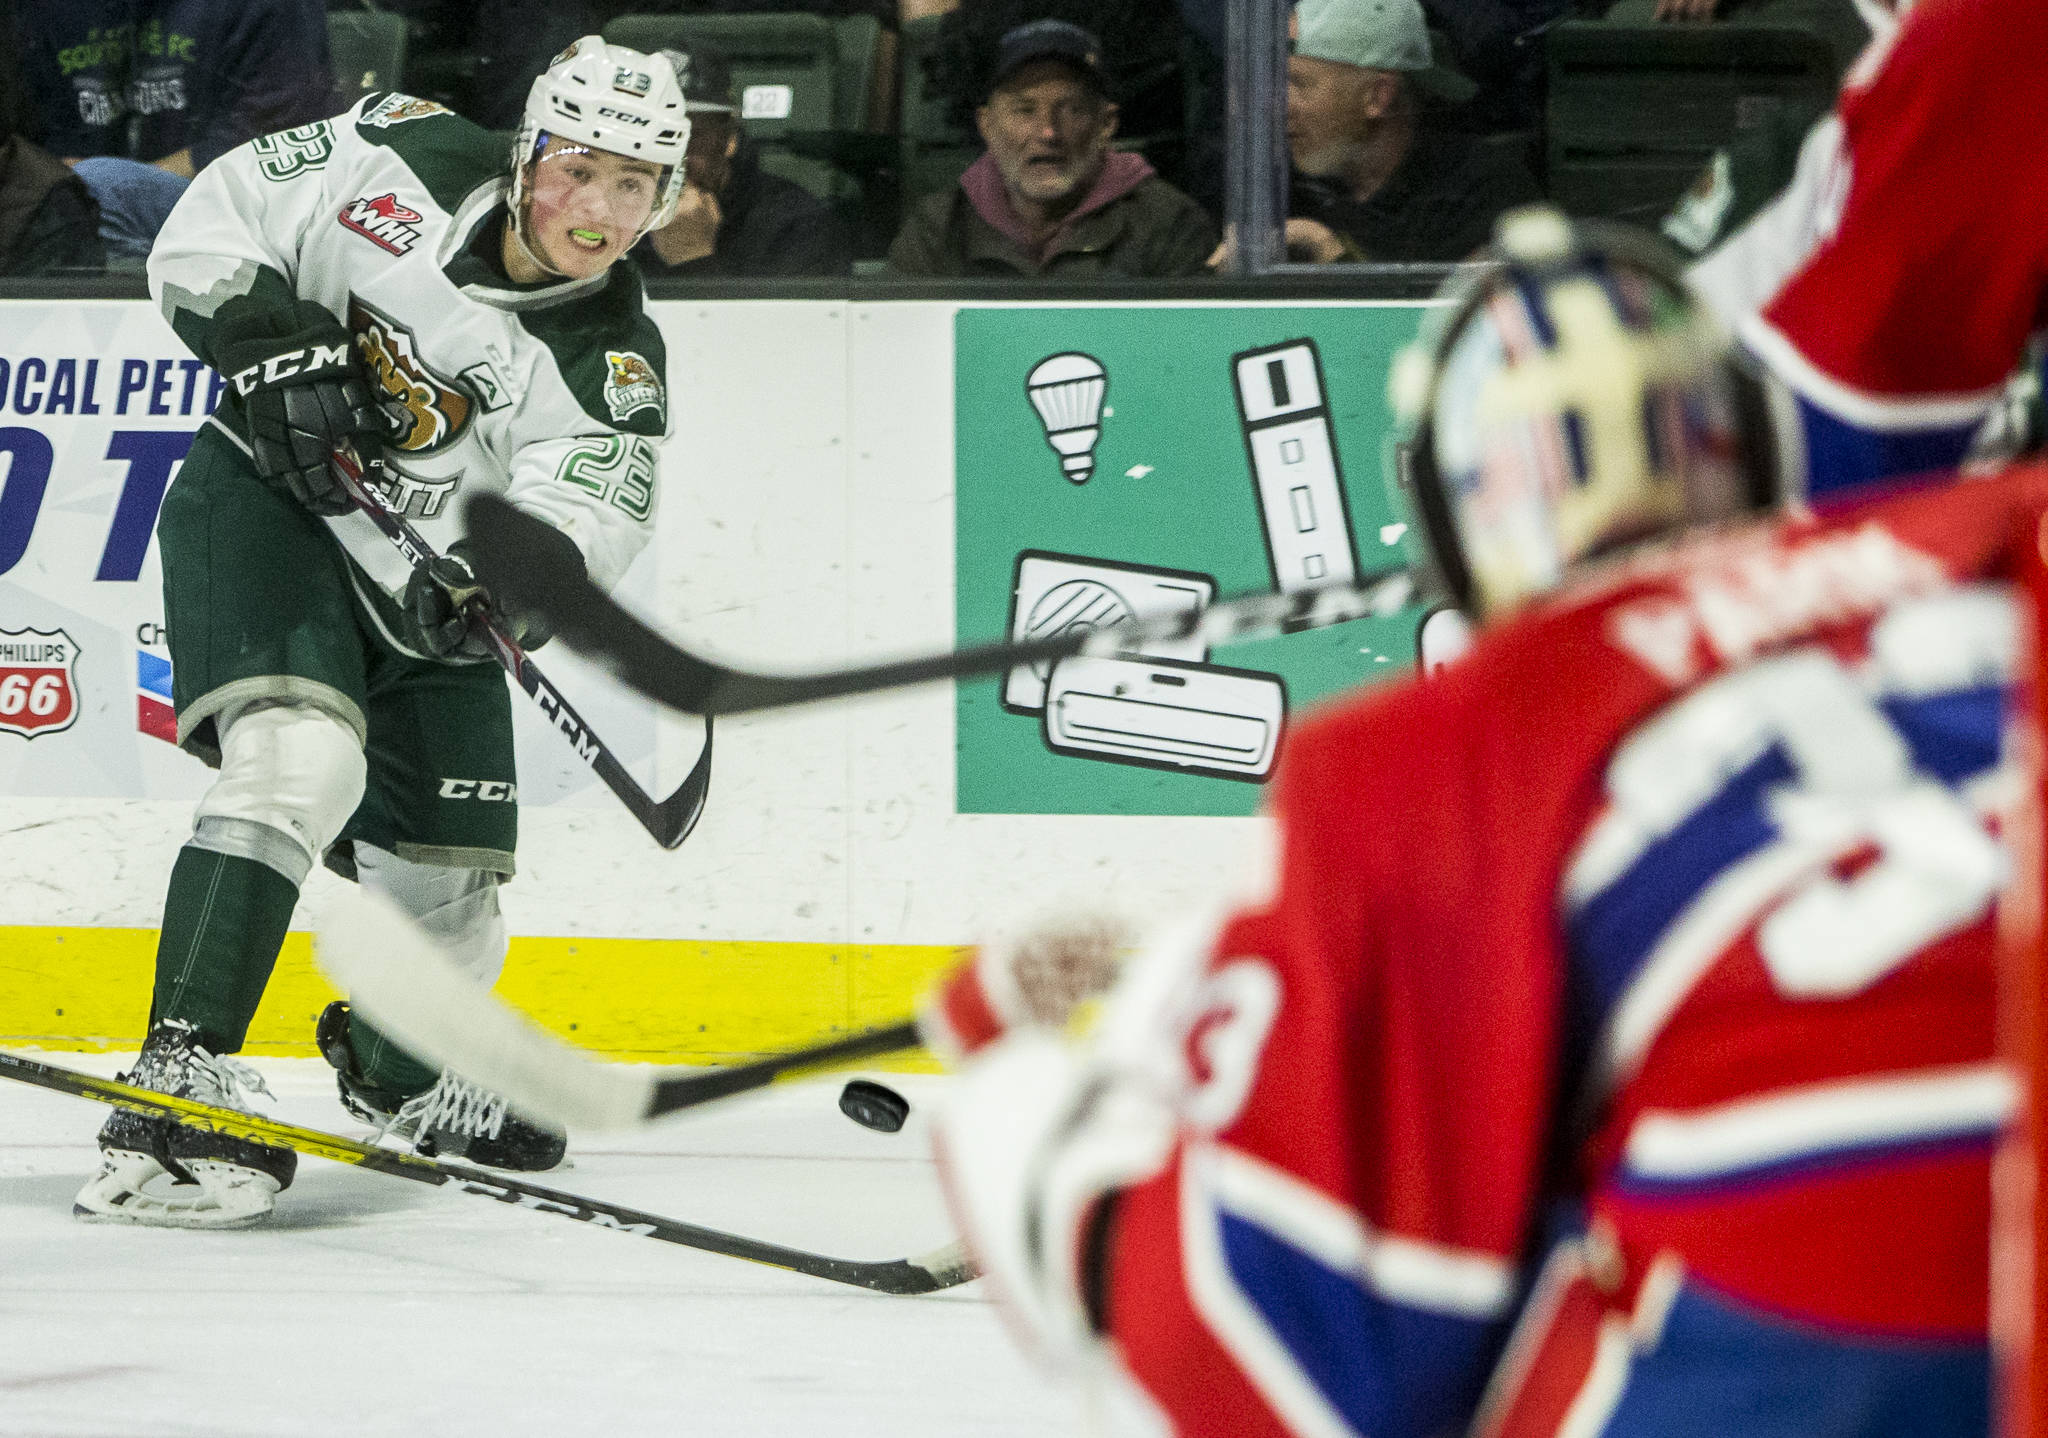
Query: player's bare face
586	207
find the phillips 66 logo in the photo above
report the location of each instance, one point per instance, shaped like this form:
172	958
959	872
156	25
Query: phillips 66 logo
38	694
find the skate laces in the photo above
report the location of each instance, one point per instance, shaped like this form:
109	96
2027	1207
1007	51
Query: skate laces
218	1079
453	1105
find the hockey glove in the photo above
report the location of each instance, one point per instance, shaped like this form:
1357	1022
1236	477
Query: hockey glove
303	396
441	594
439	599
1034	1142
1041	978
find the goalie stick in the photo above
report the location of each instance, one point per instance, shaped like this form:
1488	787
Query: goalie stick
669	820
402	981
944	1267
511	562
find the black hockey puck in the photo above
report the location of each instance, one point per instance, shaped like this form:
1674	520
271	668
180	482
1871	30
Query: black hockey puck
872	1106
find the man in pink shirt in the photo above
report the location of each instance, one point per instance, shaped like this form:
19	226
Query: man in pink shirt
1050	198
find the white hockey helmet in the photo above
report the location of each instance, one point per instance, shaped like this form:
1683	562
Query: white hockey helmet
1569	400
608	98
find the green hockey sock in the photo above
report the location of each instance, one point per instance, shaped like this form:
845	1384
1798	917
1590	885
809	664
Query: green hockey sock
384	1064
224	920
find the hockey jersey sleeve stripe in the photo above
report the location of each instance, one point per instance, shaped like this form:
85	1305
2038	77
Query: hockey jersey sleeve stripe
1401	1269
1864	409
1853	437
1842	455
1300	1294
1856	1117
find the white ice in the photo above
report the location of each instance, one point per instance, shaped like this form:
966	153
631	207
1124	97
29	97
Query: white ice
370	1305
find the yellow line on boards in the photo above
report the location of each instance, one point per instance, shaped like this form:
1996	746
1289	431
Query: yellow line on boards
644	1000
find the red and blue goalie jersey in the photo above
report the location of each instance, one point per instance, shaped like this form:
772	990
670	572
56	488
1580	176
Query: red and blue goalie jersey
1926	263
1626	988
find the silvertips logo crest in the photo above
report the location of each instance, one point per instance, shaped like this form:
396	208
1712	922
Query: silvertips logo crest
38	686
631	385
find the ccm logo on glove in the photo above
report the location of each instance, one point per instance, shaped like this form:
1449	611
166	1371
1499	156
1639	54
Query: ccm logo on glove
311	360
491	791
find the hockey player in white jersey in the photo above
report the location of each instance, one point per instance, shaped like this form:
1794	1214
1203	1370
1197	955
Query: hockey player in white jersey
383	280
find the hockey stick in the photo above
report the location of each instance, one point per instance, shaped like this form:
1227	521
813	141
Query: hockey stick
402	981
669	820
512	563
944	1267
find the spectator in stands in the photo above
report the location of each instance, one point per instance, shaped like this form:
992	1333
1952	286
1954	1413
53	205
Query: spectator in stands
1375	178
1050	198
47	217
1146	47
139	95
734	218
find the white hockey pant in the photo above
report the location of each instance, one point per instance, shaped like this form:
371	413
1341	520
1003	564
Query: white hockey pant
458	908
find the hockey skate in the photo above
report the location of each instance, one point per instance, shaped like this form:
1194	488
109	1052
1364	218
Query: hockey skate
453	1119
155	1171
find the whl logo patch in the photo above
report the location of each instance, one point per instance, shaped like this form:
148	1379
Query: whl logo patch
383	222
433	411
632	384
38	690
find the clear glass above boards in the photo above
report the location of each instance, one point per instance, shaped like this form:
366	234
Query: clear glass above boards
943	142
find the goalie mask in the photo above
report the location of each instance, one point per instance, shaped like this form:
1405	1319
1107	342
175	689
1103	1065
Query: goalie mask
1570	400
596	100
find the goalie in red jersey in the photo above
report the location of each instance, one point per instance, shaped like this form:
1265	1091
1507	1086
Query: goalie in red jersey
1609	1050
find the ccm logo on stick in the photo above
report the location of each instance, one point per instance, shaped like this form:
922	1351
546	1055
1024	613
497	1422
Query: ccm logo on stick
490	791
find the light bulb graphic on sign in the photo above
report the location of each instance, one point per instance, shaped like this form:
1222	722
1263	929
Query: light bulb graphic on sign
1067	390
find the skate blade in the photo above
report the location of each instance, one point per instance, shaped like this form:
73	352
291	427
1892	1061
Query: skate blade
134	1188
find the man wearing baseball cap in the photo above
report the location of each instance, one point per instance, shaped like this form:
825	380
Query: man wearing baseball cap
1050	197
1375	177
734	218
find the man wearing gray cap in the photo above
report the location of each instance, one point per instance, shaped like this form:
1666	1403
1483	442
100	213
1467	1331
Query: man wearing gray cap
1050	198
1375	179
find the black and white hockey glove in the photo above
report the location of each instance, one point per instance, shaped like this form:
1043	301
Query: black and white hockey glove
441	594
304	397
438	600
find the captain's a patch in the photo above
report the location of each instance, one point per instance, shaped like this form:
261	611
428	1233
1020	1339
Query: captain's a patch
631	384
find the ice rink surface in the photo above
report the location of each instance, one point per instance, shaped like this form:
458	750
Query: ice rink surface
370	1305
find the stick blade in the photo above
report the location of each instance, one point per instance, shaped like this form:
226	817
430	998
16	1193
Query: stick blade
403	983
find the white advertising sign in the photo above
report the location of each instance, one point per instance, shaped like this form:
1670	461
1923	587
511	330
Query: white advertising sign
99	402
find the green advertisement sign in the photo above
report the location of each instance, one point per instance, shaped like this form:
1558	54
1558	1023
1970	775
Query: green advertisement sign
1120	460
